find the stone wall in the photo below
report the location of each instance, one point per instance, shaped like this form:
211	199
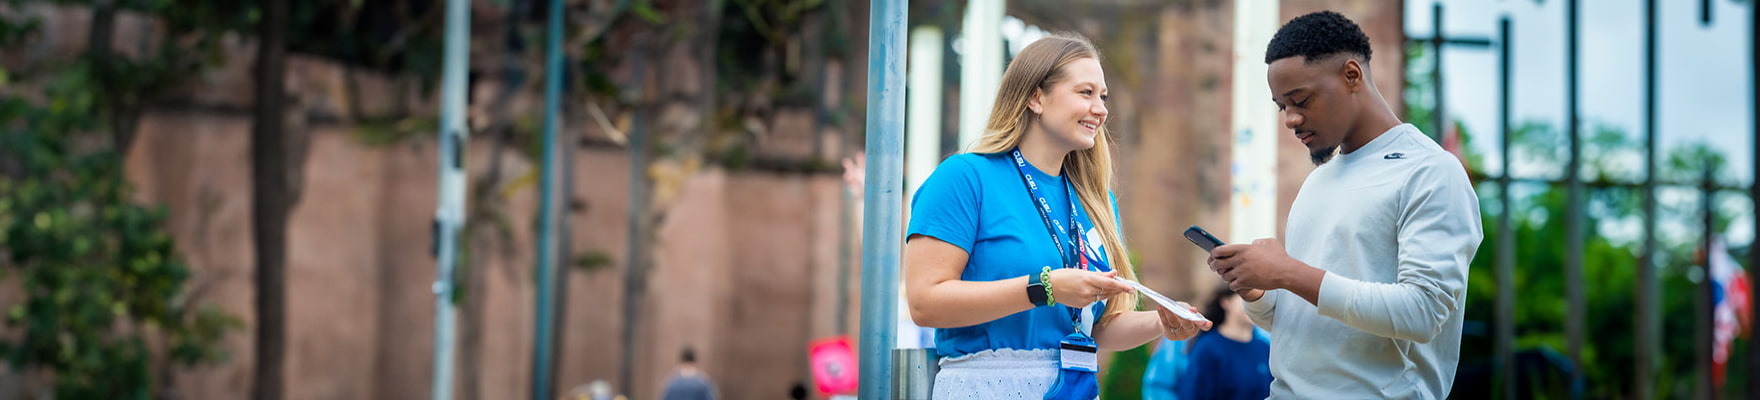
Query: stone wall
742	271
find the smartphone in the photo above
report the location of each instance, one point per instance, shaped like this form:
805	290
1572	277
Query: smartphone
1202	238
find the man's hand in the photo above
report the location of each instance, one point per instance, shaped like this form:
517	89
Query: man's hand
1251	269
1260	265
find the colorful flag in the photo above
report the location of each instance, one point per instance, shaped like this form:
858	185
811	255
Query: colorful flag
1730	310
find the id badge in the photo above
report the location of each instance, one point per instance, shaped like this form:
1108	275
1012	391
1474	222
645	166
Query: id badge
1079	353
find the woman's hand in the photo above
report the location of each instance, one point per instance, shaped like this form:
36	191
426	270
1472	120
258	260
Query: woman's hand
1175	328
1079	288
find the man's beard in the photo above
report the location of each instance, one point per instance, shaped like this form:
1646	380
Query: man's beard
1323	155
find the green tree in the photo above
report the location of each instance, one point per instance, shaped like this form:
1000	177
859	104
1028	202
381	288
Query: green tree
1538	153
1123	379
105	304
1609	265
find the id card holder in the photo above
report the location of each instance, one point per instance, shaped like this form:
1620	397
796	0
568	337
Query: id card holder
1079	353
1078	367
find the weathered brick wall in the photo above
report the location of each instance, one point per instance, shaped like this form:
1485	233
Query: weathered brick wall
742	270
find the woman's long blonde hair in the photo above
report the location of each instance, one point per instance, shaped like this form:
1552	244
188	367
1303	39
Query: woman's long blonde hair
1034	71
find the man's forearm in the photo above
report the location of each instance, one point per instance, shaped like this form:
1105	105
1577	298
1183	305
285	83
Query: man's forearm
1303	280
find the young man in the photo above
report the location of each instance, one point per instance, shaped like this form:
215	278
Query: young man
1367	301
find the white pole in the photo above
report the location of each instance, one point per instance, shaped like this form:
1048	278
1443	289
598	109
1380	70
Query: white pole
1253	200
923	121
980	67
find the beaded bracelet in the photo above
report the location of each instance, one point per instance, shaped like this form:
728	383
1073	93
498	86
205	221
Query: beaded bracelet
1045	276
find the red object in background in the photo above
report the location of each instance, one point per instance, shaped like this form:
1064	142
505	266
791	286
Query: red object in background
1731	290
834	365
1451	142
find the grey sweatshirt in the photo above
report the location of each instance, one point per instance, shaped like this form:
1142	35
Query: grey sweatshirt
1394	224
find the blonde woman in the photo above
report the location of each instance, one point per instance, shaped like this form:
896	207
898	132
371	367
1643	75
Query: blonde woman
1013	248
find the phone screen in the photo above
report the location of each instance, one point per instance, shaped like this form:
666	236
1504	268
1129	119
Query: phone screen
1203	239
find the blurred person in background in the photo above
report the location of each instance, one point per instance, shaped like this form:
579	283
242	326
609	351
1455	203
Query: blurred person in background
1167	366
688	383
595	390
1013	249
1229	362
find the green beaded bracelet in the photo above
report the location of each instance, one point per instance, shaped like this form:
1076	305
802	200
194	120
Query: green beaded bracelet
1045	276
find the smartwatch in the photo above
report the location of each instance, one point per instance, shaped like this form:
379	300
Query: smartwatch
1036	291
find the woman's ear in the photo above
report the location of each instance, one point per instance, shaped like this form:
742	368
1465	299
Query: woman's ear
1034	105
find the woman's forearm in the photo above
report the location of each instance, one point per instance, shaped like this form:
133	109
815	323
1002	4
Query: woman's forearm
1128	331
957	303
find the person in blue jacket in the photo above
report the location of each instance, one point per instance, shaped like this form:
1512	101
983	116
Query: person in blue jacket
1228	362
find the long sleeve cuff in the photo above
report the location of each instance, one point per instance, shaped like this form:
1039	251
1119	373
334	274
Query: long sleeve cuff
1262	311
1335	295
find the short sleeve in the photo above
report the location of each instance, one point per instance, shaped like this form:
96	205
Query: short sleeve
946	206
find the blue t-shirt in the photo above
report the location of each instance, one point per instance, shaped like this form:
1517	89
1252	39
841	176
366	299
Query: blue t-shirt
979	203
688	387
1222	368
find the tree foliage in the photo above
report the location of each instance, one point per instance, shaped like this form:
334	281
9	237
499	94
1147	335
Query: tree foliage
1613	245
106	307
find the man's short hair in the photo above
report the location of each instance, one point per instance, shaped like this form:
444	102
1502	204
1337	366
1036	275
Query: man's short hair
687	356
1316	36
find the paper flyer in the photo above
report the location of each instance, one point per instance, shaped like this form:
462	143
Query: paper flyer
1165	302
